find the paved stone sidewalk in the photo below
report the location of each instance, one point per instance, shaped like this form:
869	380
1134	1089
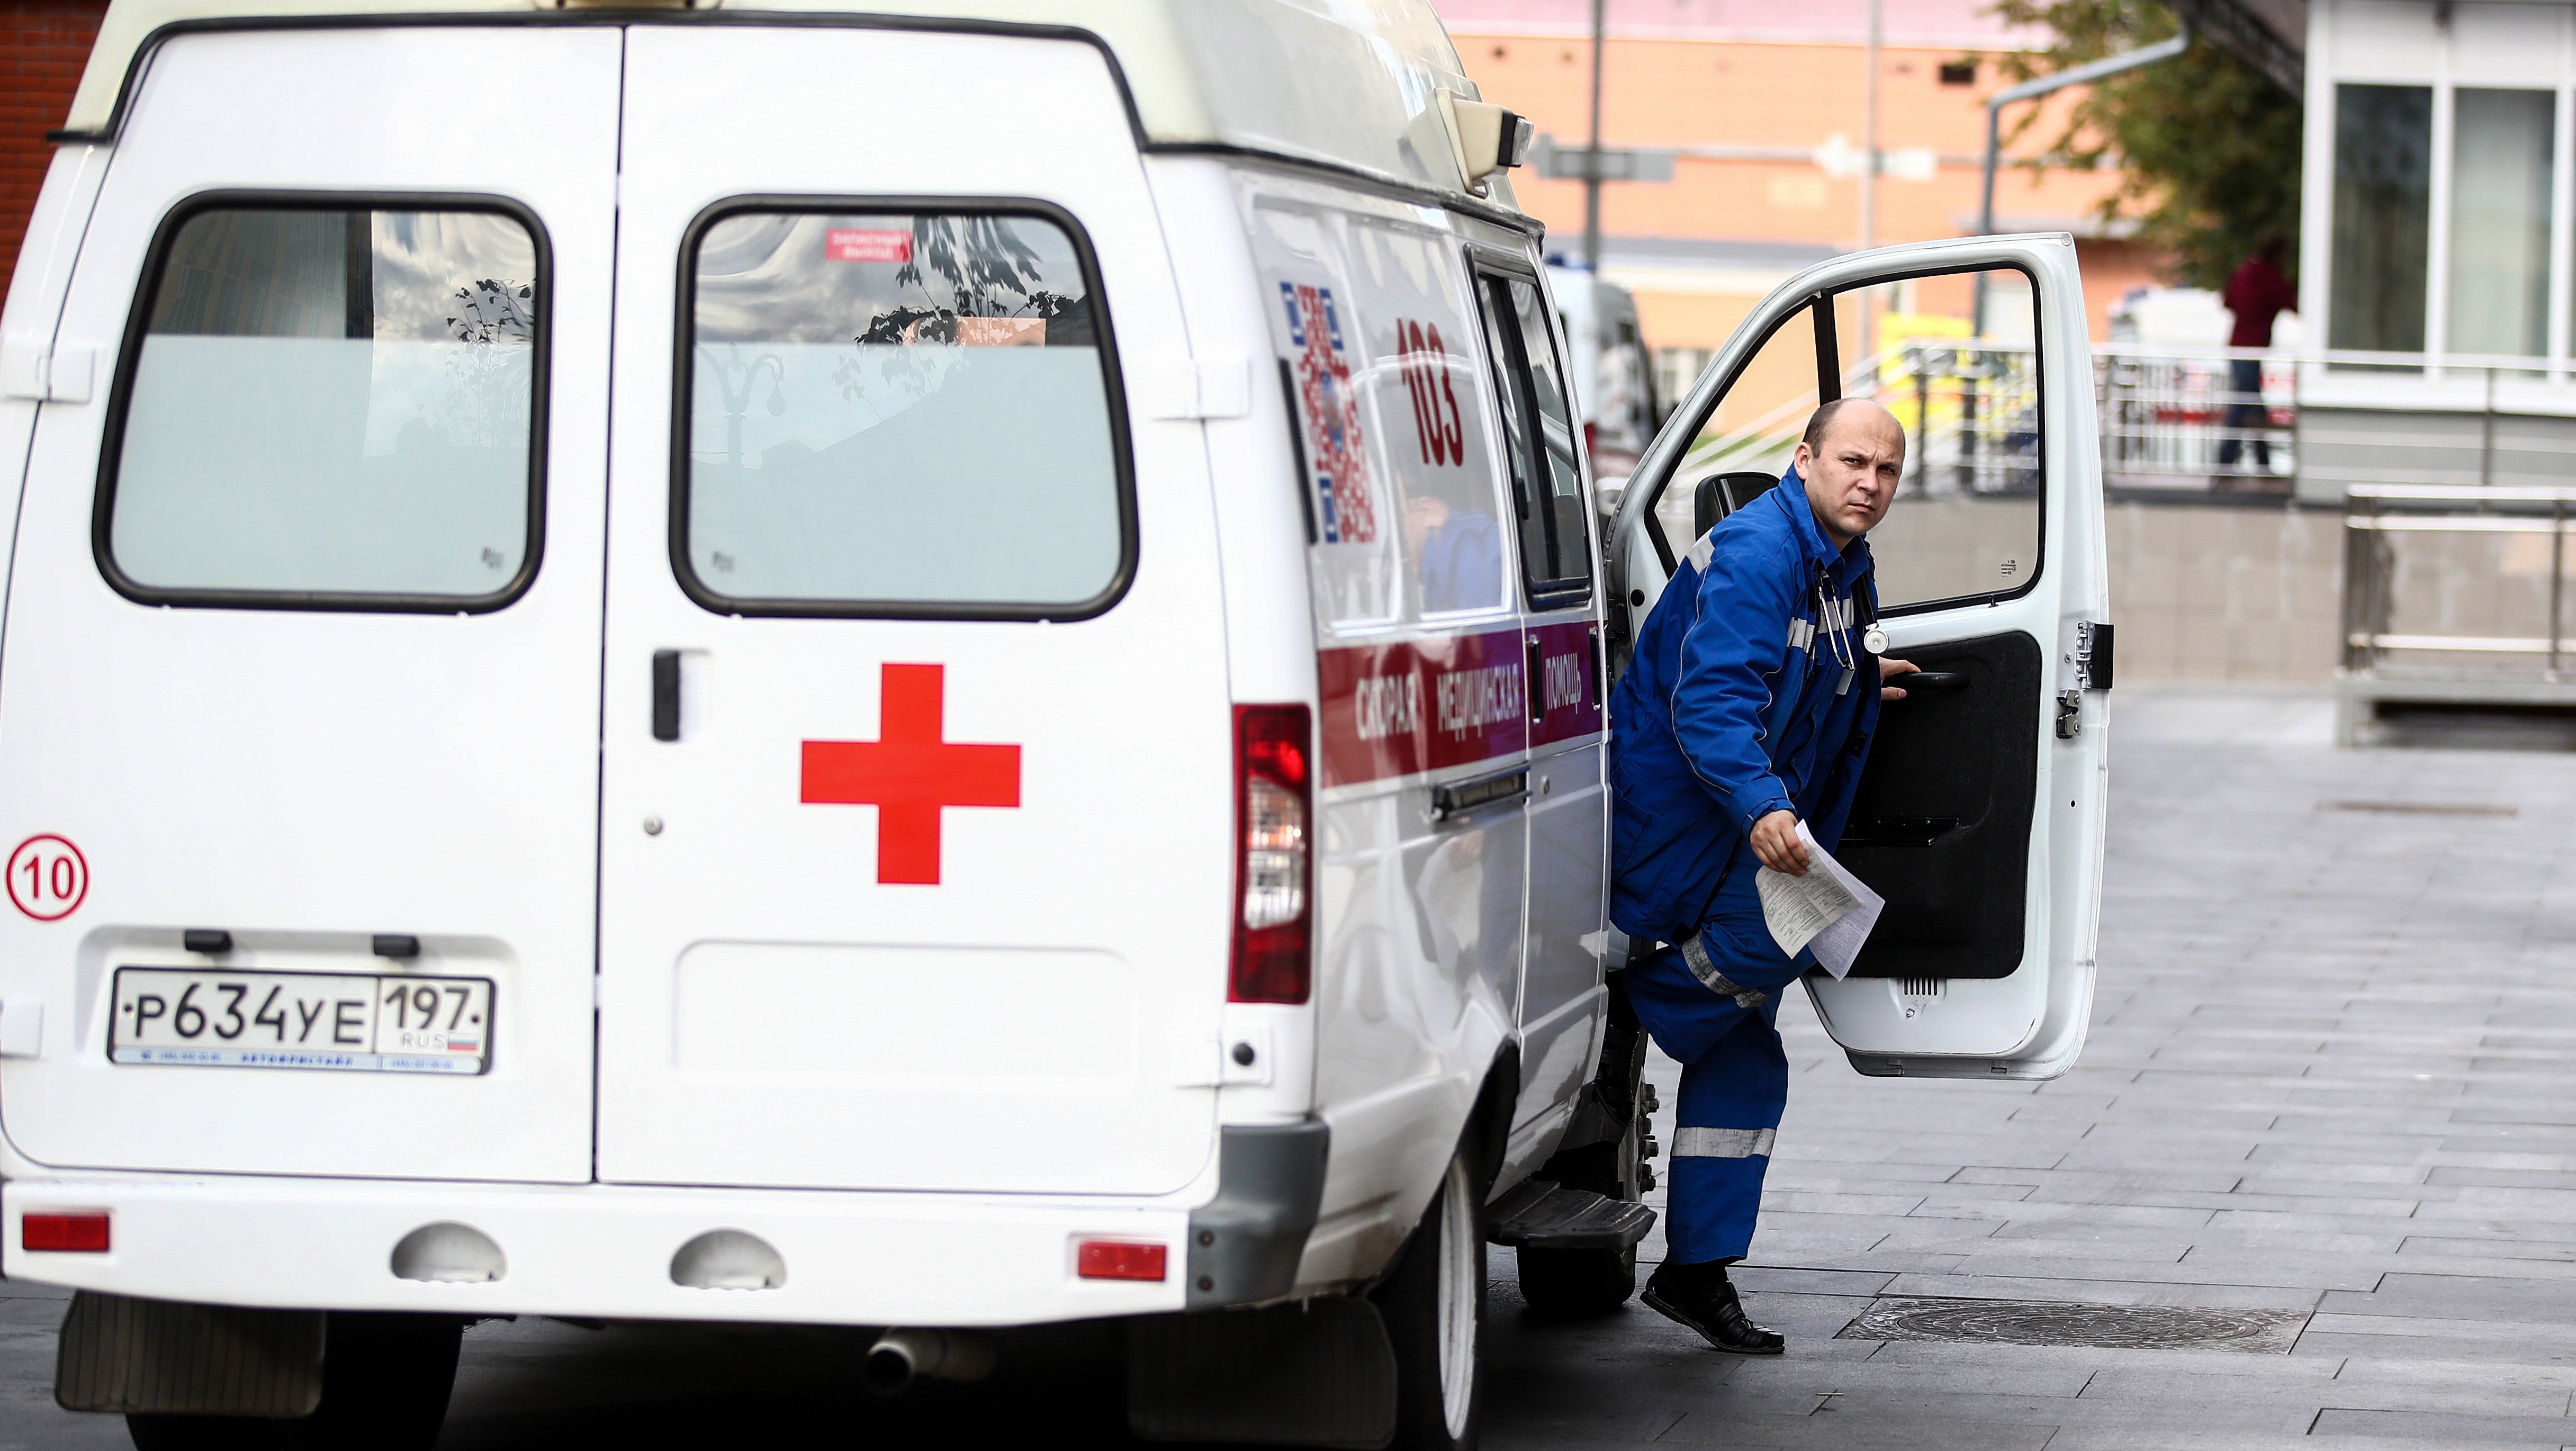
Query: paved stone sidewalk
2332	1070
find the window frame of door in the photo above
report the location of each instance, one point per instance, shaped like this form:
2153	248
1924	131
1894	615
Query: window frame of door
1114	399
1484	262
147	292
1829	388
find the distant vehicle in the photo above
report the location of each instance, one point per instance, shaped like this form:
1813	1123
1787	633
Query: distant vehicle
2184	317
1614	375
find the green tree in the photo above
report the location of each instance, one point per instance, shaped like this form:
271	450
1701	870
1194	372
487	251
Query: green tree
2208	148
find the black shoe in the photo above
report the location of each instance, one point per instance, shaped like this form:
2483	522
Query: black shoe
1703	1298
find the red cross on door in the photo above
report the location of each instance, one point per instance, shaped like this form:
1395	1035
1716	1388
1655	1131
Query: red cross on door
909	773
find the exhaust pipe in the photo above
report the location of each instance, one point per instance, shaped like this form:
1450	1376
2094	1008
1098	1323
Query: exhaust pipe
900	1356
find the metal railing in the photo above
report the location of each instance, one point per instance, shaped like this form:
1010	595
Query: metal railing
2230	417
2380	519
2195	417
1970	411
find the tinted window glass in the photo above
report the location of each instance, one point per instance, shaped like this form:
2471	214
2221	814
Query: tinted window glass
2501	170
1560	475
1546	472
2383	208
332	403
900	412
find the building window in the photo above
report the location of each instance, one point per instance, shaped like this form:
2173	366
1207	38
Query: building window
1959	73
2500	178
2382	217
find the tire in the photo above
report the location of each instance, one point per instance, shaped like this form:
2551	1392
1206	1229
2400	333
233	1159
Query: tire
1434	1306
1583	1282
385	1383
1572	1283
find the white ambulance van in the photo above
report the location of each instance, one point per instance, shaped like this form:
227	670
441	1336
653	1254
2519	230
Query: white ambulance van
930	669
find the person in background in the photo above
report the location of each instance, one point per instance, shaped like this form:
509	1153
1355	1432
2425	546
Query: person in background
2257	292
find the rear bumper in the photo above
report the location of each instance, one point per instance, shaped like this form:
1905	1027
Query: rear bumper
601	1251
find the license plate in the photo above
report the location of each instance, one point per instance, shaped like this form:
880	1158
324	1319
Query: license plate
352	1022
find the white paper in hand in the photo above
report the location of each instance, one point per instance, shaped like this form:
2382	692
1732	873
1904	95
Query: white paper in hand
1828	909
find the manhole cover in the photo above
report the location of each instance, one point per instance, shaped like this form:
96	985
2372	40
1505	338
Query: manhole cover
2115	1327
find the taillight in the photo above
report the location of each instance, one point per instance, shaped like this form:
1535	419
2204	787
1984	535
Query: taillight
1273	801
64	1233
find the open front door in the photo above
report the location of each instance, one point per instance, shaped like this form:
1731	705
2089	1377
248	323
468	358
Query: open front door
1980	815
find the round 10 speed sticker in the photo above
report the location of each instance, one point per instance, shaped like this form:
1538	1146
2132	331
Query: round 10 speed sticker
48	877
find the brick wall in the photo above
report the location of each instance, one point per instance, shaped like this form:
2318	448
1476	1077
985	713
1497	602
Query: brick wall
43	44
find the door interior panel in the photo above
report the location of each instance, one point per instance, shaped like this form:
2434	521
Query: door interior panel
1941	825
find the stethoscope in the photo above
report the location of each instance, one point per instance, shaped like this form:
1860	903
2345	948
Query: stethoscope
1873	638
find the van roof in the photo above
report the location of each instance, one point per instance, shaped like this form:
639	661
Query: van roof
1349	83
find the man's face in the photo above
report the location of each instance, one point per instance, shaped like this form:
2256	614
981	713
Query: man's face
1852	480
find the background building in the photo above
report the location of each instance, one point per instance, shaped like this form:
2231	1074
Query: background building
43	45
1764	105
2438	218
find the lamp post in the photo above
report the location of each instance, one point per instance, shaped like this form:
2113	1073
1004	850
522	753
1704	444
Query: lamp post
2032	89
1869	173
1592	154
734	379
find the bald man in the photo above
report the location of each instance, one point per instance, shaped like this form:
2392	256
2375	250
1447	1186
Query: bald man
1747	709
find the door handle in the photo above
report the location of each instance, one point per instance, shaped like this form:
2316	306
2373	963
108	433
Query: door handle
1462	797
1942	681
666	695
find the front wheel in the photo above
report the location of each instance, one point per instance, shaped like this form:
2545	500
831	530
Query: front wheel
1434	1306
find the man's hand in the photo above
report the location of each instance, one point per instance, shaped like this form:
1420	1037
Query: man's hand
1888	667
1775	842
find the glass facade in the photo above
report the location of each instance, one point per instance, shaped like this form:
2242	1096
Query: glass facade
2500	184
2382	217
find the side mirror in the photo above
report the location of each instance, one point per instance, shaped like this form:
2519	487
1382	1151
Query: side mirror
1485	138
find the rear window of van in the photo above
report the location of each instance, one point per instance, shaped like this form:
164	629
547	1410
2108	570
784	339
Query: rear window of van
898	413
329	406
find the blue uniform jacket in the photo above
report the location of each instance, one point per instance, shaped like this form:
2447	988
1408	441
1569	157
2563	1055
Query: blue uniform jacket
1729	710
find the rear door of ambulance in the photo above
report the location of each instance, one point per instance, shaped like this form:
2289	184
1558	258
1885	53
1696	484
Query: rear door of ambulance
303	625
918	758
1980	815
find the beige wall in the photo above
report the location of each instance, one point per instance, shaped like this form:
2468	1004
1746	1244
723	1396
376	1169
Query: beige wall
2209	592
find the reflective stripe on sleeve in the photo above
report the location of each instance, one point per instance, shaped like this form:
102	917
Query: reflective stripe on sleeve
1802	633
1695	952
1691	1143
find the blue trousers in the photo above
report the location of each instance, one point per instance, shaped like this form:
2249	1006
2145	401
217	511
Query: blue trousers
2245	377
1713	1005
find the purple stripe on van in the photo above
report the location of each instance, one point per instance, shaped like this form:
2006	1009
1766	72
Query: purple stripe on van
1453	700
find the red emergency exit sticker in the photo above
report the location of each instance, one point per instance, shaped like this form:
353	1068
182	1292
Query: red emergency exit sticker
48	877
867	244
